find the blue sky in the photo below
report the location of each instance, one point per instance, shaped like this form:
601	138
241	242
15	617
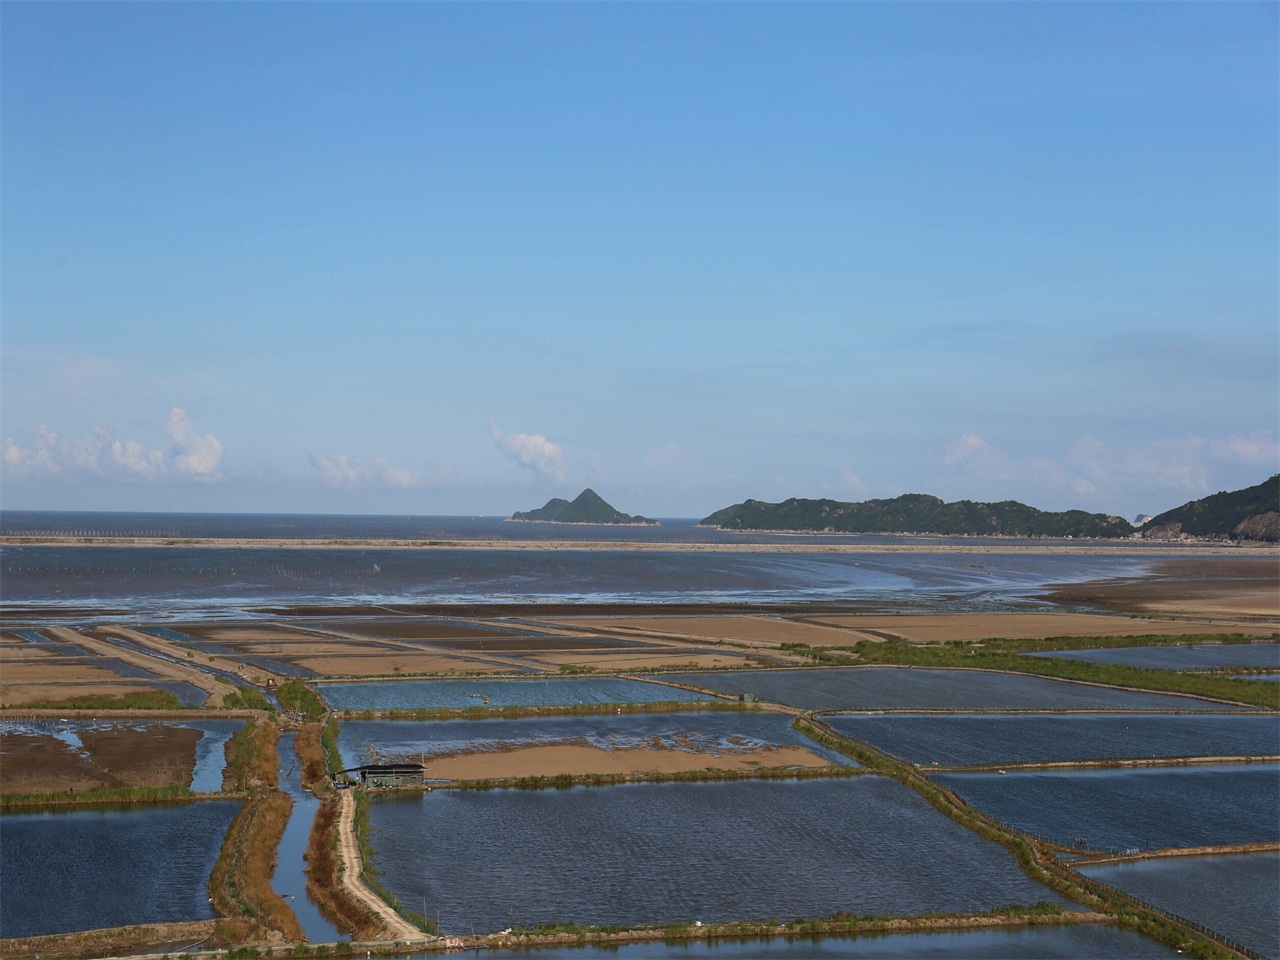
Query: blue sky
459	258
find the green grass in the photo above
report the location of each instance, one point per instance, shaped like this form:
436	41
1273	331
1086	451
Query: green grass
96	796
296	697
151	700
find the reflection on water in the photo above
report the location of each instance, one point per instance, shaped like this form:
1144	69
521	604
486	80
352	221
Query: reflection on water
85	869
666	853
1031	738
1149	808
459	694
1028	943
1237	895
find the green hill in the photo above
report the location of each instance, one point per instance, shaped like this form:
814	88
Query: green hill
588	507
1249	514
917	513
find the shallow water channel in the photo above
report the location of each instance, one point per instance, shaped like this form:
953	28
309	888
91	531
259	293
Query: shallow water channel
670	853
290	879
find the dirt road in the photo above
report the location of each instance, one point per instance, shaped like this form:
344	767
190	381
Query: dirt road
395	927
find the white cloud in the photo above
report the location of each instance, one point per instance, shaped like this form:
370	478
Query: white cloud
1257	449
971	449
343	472
194	455
532	450
101	454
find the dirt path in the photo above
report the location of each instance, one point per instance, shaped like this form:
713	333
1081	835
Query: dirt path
1267	847
395	927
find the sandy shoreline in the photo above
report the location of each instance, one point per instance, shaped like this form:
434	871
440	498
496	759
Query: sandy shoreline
979	545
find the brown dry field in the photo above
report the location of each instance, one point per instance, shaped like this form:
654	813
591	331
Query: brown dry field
407	628
769	630
540	644
19	695
550	760
625	662
385	665
156	756
937	628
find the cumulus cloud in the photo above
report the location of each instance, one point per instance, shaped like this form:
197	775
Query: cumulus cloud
102	454
532	450
971	449
343	472
194	455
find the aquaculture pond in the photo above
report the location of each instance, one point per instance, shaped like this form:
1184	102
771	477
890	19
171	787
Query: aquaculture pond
1148	808
716	733
289	879
914	688
85	869
671	853
978	739
1237	895
535	692
1019	943
1205	656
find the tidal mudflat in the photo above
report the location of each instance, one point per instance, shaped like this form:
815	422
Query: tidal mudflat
534	692
86	869
670	853
1146	808
1238	896
975	740
913	688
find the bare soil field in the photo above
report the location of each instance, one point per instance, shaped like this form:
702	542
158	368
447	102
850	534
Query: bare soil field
40	672
391	664
153	756
939	628
22	694
624	662
541	644
767	630
549	760
408	628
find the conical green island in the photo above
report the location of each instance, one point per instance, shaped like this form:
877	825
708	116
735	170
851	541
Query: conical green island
587	507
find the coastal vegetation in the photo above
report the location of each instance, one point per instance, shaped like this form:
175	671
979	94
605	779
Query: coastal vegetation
247	698
299	699
148	700
101	796
587	507
240	885
1249	514
917	513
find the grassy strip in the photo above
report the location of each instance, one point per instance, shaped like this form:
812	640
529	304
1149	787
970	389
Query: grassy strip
565	710
296	697
251	757
324	886
1063	880
240	885
151	700
113	941
97	796
564	781
247	698
310	750
329	744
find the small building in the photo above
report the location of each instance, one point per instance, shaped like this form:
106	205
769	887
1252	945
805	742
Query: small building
391	774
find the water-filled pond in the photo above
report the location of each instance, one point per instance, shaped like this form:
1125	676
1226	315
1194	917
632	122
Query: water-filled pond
290	879
717	733
1237	895
1147	808
1206	656
666	853
84	869
537	692
1026	943
905	688
1031	738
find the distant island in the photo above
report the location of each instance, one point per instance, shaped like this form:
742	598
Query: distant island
1249	514
587	507
917	513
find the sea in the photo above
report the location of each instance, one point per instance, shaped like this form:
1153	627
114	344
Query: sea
174	583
